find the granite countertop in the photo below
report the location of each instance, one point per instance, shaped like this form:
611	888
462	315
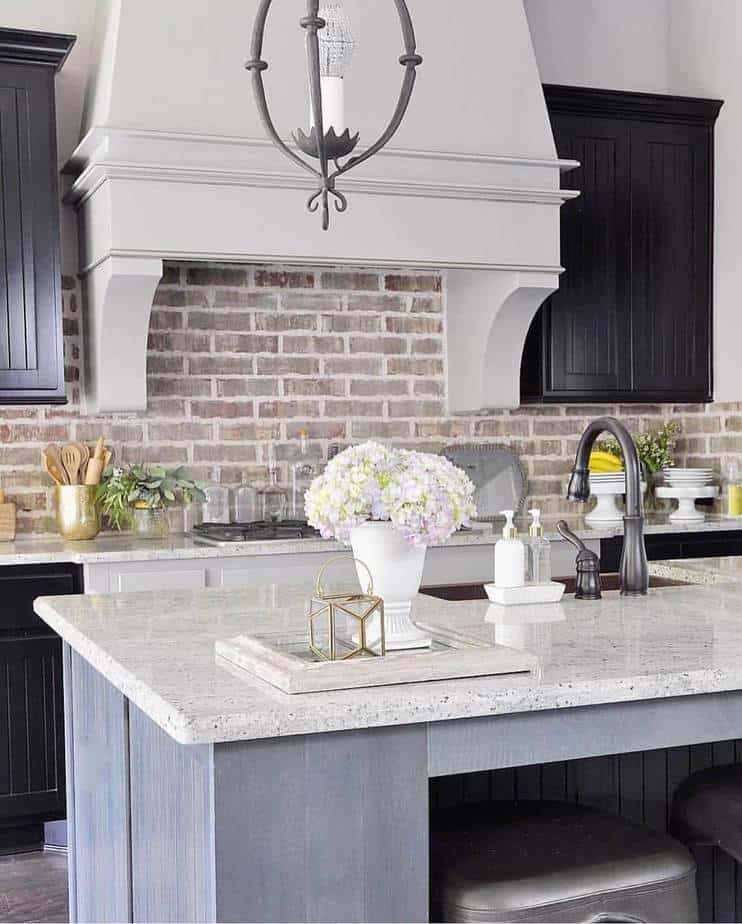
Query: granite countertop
119	548
158	649
723	570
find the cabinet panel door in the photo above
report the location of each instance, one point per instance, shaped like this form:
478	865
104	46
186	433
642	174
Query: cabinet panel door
163	579
589	317
31	365
31	728
671	228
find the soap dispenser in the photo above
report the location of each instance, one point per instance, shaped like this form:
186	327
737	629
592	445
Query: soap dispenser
538	552
510	555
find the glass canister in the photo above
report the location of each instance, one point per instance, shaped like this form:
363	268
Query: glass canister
246	506
77	511
274	499
216	505
150	522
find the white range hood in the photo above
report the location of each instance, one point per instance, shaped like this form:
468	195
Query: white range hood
174	165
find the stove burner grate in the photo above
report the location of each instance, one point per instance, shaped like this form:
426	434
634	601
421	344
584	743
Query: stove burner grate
255	532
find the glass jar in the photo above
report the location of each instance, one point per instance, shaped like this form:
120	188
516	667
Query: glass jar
733	490
150	522
274	501
246	507
216	505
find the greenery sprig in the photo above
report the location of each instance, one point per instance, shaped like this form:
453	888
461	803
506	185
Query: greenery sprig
123	489
655	448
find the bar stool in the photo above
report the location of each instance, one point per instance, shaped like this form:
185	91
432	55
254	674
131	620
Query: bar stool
553	861
707	810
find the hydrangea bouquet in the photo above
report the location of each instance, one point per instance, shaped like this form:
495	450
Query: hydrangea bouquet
424	496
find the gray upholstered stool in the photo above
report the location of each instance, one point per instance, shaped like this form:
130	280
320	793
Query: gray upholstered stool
707	810
551	861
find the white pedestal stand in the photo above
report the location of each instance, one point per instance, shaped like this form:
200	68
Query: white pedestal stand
607	510
687	511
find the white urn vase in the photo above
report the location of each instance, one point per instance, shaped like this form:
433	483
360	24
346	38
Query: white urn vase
396	567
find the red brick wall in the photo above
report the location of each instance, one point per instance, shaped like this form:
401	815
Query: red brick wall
242	355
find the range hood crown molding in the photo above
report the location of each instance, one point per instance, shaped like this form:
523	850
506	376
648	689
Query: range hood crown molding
148	196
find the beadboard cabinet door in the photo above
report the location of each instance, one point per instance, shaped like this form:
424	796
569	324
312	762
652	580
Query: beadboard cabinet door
32	767
671	260
631	320
31	345
590	336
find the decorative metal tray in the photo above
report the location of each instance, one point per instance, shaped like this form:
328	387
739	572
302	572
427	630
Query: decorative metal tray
498	476
286	662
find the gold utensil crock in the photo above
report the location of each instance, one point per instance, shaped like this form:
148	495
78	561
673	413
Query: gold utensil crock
77	512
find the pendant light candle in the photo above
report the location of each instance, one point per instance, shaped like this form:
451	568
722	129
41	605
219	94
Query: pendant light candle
328	57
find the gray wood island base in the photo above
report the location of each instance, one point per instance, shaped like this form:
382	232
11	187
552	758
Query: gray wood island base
199	794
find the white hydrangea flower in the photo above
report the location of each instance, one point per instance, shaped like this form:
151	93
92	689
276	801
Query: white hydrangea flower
425	496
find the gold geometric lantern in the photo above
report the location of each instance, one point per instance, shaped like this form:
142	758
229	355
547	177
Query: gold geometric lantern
346	625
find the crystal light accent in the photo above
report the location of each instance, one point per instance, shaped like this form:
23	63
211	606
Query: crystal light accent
336	42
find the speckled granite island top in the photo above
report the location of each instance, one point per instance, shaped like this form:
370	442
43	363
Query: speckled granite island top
158	649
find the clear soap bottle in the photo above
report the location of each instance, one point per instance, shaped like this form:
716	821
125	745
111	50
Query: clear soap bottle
538	552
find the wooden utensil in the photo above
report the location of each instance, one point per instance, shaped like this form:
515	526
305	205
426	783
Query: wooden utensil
97	464
85	458
71	459
53	464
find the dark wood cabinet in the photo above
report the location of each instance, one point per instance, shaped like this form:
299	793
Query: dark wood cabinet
31	358
631	320
32	781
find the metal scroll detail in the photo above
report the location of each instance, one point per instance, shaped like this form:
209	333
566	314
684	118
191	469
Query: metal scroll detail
328	148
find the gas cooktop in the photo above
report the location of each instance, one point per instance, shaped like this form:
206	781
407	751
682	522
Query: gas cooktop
260	531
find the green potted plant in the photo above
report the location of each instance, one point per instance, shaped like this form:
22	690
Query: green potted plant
137	496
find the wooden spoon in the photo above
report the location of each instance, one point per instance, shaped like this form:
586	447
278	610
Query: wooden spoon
54	466
84	459
71	459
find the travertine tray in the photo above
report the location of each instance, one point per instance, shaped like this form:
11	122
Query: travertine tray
286	662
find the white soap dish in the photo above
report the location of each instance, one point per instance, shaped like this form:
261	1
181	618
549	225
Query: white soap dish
551	592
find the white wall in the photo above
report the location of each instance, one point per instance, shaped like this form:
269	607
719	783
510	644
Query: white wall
613	44
705	59
70	16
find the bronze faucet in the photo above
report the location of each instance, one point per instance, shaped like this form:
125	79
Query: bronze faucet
634	572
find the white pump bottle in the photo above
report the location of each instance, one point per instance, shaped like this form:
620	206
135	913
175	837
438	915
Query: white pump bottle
510	555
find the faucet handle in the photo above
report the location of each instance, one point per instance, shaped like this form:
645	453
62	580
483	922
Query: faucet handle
566	533
588	566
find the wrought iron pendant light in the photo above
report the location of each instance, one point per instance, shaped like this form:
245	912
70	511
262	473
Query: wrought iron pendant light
329	48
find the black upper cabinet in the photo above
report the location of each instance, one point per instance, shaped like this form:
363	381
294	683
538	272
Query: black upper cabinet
631	320
31	359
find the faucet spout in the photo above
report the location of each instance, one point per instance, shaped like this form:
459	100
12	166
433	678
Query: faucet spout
634	572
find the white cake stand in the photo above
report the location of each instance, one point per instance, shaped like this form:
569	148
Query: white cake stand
687	511
607	510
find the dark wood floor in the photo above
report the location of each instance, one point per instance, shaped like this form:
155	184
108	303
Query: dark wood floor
33	887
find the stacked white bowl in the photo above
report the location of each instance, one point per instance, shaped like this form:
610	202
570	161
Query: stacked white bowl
687	477
686	485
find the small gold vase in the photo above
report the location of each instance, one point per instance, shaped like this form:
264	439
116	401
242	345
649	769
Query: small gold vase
77	512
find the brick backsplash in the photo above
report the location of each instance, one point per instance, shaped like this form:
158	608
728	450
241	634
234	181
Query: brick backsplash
242	355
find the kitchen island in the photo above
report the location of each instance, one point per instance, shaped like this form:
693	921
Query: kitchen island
198	793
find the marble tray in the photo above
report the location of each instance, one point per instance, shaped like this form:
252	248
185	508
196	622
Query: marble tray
286	662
